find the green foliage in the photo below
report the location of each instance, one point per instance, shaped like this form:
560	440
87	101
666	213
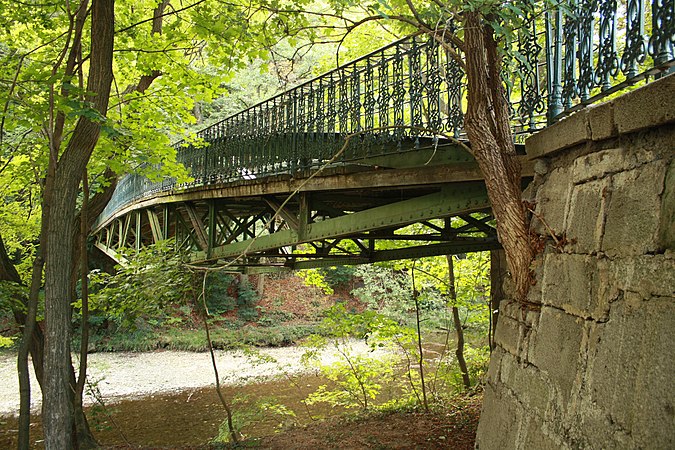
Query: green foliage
313	277
11	295
248	411
273	318
218	299
6	342
337	276
357	381
153	278
247	297
384	289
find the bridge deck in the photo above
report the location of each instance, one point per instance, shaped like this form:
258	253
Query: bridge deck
331	170
343	214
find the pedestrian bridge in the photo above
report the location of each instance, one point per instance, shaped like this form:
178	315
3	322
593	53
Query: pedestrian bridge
340	168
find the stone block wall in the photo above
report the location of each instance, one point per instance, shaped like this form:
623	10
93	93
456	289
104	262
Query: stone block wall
589	362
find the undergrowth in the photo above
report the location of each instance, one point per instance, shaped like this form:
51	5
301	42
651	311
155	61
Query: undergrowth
194	340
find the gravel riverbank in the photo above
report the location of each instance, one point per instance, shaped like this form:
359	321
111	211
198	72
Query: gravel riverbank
129	375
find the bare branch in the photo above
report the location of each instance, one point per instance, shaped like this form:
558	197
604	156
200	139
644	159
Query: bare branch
160	16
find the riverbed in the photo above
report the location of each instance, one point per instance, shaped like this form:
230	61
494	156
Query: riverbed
126	375
167	398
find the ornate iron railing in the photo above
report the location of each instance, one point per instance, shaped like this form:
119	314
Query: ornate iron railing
400	96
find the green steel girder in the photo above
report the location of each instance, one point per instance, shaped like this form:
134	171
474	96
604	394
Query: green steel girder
420	251
448	201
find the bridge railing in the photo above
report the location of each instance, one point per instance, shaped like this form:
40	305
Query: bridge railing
393	98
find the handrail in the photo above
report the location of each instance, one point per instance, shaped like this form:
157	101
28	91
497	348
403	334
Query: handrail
565	57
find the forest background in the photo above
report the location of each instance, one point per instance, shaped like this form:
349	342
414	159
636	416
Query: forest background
93	91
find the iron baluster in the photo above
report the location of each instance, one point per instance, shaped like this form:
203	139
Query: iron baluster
415	91
433	87
663	31
586	83
453	79
293	123
369	96
398	93
300	128
531	101
636	48
330	113
343	104
275	127
554	62
569	79
608	60
383	96
355	100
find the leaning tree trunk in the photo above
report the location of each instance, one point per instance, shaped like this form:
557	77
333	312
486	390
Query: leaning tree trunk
497	273
489	132
57	395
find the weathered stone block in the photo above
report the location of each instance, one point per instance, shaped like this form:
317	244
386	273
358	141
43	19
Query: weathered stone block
595	429
552	198
649	106
507	334
586	219
633	213
571	282
526	383
536	437
599	164
556	348
630	372
496	429
647	276
667	224
656	380
570	131
601	121
493	372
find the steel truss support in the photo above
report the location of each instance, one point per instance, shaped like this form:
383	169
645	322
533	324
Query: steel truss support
308	231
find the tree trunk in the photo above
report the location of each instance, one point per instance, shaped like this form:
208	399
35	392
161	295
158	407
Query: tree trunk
487	126
497	274
9	273
57	394
459	351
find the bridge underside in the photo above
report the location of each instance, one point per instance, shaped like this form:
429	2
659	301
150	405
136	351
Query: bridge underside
345	215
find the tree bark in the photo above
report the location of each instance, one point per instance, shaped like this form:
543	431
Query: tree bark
57	394
459	351
9	273
488	128
497	274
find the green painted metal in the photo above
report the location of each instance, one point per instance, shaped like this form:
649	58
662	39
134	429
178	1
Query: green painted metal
397	108
402	95
450	200
419	251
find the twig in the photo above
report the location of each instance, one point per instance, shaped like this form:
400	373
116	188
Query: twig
558	244
228	410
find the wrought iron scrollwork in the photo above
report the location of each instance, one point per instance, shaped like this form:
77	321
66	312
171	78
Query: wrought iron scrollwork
383	96
531	101
663	31
586	80
636	48
454	81
570	32
433	87
398	94
417	83
608	60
